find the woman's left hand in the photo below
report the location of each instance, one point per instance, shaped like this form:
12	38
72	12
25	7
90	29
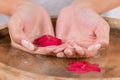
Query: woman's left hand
83	31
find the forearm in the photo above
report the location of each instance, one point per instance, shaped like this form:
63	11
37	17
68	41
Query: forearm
9	6
100	6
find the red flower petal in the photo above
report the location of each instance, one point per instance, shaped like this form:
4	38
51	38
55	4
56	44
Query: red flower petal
47	40
82	67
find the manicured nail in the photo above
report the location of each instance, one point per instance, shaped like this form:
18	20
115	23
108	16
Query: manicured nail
27	44
98	46
60	55
91	48
94	47
68	52
78	48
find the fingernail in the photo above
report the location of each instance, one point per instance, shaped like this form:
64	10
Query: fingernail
60	55
27	44
68	52
91	48
78	48
98	46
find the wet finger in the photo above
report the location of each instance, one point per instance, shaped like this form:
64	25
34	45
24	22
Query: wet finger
60	54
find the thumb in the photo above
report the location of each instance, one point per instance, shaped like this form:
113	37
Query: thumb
102	34
17	35
102	37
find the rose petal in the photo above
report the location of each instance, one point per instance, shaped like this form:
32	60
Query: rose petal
83	67
47	40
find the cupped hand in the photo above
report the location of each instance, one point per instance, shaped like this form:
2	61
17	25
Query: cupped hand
83	31
27	23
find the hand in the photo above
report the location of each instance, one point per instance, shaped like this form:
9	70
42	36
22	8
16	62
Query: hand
27	23
83	31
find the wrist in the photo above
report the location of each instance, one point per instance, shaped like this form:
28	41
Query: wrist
81	4
16	4
8	7
99	6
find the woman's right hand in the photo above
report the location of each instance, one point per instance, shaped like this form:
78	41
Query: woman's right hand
27	23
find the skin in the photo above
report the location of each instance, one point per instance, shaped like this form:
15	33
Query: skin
88	32
85	30
28	22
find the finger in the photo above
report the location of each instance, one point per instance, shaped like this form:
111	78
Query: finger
69	51
87	53
42	50
102	38
93	49
21	47
46	50
47	22
102	33
27	44
61	48
60	55
79	50
62	22
17	35
90	53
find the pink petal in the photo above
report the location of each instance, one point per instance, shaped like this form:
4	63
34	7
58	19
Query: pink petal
47	40
82	67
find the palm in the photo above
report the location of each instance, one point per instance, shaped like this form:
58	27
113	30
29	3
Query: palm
82	26
36	23
29	22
